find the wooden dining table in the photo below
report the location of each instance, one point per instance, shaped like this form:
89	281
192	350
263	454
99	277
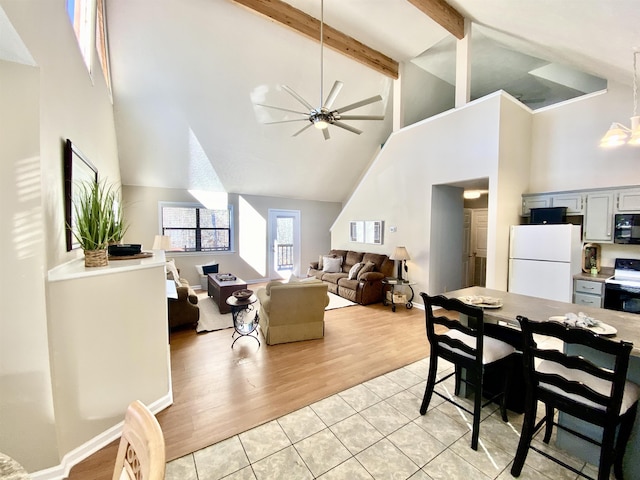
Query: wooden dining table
540	309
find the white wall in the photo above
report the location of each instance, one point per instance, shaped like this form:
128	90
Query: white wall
448	149
26	403
565	152
249	259
423	94
58	100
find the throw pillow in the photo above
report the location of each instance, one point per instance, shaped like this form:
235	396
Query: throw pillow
368	267
353	271
331	264
293	279
171	269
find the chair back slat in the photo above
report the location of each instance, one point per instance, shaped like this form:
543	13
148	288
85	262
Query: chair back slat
610	401
474	327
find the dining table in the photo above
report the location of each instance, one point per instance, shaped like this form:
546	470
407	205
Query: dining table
10	469
504	309
627	325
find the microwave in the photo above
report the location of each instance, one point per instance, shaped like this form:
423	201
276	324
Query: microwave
627	228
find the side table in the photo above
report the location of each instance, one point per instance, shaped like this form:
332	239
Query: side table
243	324
390	285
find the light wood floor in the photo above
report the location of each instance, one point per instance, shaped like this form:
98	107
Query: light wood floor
220	392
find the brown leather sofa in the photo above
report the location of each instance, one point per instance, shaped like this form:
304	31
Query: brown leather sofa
366	287
184	311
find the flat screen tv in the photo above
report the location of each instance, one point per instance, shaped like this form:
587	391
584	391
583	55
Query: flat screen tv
77	169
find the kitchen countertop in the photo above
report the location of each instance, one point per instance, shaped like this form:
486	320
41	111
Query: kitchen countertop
605	272
627	324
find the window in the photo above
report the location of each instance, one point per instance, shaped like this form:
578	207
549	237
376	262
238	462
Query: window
102	46
79	12
193	228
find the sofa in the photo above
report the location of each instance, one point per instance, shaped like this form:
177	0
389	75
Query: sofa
362	283
291	312
183	311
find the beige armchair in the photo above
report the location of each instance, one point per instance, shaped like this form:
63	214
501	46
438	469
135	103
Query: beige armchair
290	312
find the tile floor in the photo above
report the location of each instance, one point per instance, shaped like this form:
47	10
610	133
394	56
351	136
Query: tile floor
373	431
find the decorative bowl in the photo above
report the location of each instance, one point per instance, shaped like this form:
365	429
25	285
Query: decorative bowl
243	294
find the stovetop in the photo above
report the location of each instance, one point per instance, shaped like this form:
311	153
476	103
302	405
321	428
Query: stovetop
626	272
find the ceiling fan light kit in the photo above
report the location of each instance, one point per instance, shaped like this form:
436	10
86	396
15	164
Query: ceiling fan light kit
619	134
324	116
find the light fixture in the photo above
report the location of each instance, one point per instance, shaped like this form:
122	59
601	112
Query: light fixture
161	242
401	255
471	194
619	134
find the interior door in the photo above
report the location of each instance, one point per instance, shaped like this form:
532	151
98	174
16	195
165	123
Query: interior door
479	230
467	257
284	242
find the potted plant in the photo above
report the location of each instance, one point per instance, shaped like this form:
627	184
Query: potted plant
118	227
96	221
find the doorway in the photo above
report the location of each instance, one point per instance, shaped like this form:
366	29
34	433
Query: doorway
284	243
475	248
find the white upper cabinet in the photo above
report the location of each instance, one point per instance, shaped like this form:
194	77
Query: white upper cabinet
573	201
598	219
628	200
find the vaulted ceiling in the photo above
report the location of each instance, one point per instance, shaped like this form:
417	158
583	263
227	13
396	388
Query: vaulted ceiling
188	76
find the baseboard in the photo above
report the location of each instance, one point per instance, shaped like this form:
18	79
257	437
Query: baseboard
75	456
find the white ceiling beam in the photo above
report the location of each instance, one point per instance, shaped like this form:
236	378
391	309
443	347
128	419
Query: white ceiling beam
309	26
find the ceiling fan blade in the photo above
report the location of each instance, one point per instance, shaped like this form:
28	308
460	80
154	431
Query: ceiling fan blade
361	117
335	90
287	121
347	127
301	130
325	132
298	97
361	103
283	109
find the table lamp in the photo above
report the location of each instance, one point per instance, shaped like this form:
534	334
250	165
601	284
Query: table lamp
401	255
161	242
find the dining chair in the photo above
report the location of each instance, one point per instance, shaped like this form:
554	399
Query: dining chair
569	382
466	346
141	453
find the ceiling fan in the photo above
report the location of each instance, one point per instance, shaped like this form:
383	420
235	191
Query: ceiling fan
325	115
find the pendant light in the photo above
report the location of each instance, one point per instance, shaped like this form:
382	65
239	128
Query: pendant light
619	134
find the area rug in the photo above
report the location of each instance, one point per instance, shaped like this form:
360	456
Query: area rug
336	301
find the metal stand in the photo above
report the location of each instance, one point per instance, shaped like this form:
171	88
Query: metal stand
240	310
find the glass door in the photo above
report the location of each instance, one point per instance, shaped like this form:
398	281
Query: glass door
284	241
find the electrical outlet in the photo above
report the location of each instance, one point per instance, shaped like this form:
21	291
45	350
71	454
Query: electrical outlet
393	229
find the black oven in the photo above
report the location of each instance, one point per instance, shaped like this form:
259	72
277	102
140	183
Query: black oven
622	298
622	291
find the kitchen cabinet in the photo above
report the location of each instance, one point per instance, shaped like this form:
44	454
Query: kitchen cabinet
534	201
589	293
573	201
598	225
628	200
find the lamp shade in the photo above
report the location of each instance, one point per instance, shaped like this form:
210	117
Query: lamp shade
161	242
400	253
616	135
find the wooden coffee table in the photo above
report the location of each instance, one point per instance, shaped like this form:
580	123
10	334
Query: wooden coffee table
220	290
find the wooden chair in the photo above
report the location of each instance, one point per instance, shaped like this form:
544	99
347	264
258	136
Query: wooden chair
570	383
141	454
467	347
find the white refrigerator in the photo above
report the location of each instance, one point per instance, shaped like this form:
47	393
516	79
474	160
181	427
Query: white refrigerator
543	260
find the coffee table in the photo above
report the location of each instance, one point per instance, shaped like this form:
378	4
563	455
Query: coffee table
220	290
